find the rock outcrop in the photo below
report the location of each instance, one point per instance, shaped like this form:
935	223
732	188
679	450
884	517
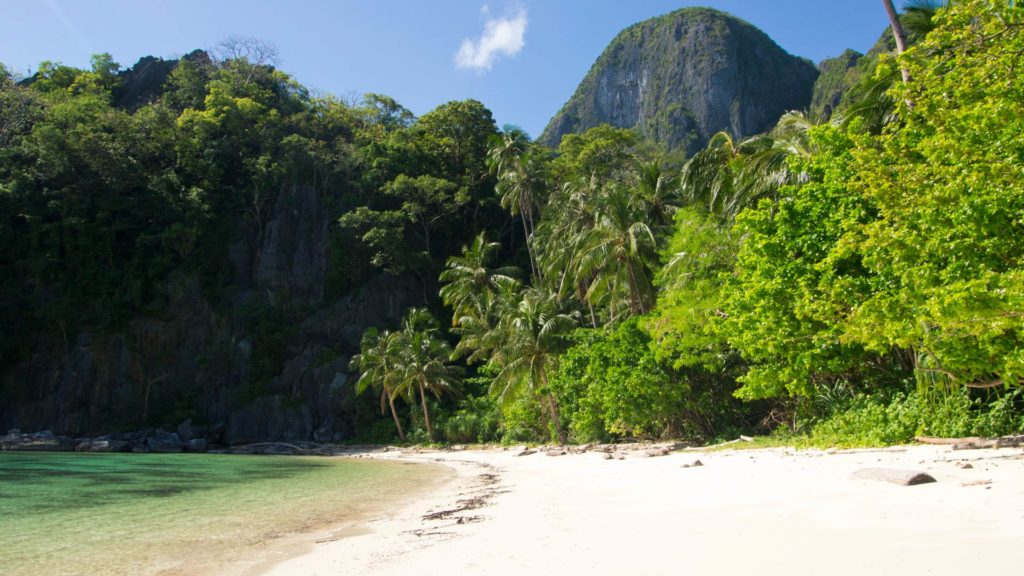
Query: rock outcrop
207	373
682	77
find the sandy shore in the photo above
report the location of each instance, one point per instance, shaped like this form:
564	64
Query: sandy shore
775	511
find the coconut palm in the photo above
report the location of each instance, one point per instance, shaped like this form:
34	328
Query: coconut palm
468	280
376	364
519	167
422	361
728	176
617	253
532	334
659	191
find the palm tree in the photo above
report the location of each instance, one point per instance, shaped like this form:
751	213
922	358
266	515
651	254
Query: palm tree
519	167
618	253
376	363
469	281
477	329
870	99
423	361
728	176
660	192
532	335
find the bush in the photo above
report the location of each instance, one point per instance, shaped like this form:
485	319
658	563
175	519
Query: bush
874	421
610	385
476	420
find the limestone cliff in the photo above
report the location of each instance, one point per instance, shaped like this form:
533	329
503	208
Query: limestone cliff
684	76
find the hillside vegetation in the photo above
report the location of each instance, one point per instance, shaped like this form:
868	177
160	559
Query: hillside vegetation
852	281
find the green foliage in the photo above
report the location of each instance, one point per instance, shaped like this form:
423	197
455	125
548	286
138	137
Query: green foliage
427	184
474	421
405	364
609	385
948	184
795	281
880	420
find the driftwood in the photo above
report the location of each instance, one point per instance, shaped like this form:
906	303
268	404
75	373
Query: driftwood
974	442
720	444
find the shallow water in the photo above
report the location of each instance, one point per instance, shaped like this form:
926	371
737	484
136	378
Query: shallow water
78	514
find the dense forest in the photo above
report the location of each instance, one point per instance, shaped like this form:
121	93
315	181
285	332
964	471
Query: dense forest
852	276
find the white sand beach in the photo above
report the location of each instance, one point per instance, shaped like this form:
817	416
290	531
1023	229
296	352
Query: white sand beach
775	511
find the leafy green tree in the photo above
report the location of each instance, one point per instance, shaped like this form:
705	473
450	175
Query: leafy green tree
947	182
784	304
609	385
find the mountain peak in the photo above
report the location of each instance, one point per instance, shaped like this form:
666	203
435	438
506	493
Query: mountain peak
681	77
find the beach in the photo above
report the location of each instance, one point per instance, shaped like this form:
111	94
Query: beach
768	511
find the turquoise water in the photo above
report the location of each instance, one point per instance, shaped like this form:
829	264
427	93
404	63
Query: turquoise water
78	514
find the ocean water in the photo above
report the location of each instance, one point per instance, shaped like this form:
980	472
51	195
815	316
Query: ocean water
120	514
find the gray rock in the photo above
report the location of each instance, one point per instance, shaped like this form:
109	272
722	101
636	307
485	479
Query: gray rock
45	441
185	430
102	445
164	442
556	452
293	250
196	445
893	476
693	464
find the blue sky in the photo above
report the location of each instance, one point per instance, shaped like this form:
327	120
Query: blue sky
522	59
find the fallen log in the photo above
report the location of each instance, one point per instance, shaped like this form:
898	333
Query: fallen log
974	442
719	445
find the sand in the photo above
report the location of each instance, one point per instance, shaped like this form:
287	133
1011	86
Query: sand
774	511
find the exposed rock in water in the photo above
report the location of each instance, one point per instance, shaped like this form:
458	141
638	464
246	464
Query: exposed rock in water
684	76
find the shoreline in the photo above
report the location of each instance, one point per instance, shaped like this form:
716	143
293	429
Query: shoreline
773	510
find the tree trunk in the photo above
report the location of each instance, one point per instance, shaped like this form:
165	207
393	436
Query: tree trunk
394	415
527	225
898	34
553	409
426	413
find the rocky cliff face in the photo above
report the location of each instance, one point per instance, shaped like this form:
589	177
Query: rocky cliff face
682	77
212	365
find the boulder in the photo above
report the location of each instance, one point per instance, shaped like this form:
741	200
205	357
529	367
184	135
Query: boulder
45	441
186	431
196	445
164	442
102	444
893	476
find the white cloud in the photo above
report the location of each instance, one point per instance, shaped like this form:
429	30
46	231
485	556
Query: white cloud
501	37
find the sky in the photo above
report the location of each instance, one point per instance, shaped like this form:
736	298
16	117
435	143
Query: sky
521	58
